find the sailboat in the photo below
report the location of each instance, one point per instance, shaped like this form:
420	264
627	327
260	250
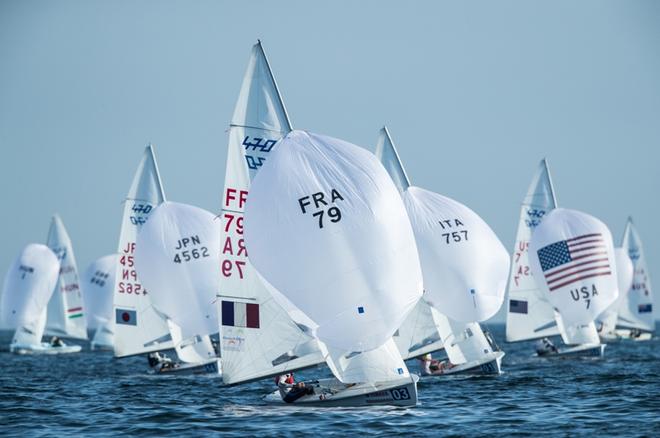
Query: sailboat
606	321
530	316
28	287
326	227
572	261
98	286
259	338
139	327
177	259
469	350
635	314
65	308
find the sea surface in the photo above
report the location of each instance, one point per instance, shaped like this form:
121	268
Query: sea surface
93	394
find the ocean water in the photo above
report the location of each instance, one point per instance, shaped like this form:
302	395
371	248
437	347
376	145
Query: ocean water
92	394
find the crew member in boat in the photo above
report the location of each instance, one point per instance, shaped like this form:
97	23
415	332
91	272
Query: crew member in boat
429	366
545	346
56	342
290	390
160	362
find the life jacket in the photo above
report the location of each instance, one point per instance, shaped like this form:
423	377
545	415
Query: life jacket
288	380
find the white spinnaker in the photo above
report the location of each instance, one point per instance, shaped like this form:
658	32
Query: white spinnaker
326	226
572	258
465	266
66	313
636	311
98	283
27	289
272	343
625	272
139	328
177	259
529	314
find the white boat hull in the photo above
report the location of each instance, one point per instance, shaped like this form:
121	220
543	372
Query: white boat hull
585	350
490	364
332	393
627	334
43	348
212	366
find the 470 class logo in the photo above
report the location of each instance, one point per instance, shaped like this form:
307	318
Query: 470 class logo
257	144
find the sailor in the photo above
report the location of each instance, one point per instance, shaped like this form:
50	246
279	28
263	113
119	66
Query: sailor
290	390
545	346
159	362
429	366
56	342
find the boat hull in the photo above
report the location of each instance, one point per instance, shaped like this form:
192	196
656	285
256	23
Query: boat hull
332	393
489	365
209	367
43	348
627	334
586	350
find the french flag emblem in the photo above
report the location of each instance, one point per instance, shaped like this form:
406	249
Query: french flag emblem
235	314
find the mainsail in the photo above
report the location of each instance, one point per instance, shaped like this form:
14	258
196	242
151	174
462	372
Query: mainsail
529	314
139	328
98	286
326	226
258	338
27	289
66	314
636	311
572	258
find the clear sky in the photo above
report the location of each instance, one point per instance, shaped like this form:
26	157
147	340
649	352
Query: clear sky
475	93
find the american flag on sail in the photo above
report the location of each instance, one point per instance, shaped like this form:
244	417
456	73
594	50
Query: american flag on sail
568	261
